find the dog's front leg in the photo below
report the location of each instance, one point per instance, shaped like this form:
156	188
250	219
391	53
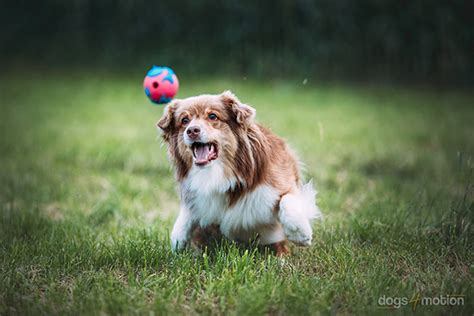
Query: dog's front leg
181	233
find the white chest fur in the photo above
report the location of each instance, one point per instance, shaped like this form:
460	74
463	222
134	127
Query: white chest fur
204	194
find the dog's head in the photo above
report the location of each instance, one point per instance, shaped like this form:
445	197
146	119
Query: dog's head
202	129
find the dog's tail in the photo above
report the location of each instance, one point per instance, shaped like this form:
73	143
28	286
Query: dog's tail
308	197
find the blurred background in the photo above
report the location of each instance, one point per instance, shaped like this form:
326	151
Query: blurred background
403	41
375	96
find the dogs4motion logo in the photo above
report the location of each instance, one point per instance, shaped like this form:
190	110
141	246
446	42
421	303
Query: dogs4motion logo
393	302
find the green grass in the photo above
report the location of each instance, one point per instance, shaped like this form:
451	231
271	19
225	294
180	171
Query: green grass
87	200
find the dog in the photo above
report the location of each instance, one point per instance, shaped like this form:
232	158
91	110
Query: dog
234	175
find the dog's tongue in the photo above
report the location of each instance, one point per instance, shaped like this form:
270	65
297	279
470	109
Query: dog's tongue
202	153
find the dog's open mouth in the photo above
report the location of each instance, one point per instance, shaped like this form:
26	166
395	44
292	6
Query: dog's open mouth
204	153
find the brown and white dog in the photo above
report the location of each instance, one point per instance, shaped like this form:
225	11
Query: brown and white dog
235	174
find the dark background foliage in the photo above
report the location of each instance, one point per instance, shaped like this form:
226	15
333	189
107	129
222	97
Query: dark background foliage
429	41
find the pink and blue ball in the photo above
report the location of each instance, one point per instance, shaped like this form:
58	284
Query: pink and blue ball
161	84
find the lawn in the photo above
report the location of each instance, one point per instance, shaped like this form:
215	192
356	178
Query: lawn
87	200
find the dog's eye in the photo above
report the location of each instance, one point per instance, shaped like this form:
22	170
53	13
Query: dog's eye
184	120
212	117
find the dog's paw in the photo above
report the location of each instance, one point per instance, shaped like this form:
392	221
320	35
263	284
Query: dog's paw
299	233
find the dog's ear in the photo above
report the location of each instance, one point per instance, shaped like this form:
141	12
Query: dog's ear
166	122
244	114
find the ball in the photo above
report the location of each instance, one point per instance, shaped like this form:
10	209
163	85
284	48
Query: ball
160	84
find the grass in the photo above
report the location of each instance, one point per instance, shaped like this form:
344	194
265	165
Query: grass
88	198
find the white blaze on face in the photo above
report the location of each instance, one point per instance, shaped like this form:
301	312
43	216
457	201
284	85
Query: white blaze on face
203	134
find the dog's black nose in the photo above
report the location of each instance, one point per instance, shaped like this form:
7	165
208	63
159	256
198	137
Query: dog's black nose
193	131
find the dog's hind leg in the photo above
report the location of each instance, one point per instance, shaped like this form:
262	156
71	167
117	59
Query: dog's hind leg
297	209
280	249
203	237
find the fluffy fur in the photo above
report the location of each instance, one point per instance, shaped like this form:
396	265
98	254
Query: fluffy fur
234	174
